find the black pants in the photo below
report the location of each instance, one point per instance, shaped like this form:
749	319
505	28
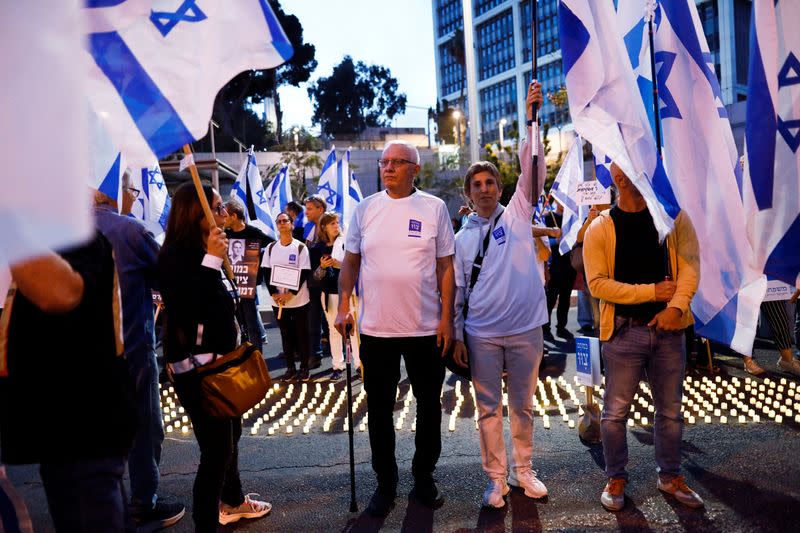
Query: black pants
294	334
778	320
217	476
381	359
560	288
317	325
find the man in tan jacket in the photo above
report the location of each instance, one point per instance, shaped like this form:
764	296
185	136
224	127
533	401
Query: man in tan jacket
645	288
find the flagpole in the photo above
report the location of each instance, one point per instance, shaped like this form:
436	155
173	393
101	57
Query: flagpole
535	125
198	185
650	14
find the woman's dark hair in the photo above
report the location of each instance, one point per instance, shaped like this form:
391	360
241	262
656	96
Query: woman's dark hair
185	214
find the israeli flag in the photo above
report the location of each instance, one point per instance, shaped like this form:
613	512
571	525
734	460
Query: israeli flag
701	161
152	205
113	15
44	205
604	100
771	185
279	191
355	190
602	167
569	176
153	81
249	190
328	184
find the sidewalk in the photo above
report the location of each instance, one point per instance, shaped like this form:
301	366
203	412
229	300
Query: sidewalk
747	473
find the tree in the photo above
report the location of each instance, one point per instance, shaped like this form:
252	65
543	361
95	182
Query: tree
560	101
254	86
355	96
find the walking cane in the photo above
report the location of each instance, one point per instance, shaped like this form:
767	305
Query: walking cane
348	362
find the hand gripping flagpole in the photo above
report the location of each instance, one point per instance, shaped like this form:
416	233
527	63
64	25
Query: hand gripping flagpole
348	362
650	15
198	185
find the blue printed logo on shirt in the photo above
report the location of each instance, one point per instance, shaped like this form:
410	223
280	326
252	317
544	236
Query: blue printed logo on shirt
292	258
414	228
499	235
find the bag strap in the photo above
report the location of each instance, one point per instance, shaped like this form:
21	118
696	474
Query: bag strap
477	263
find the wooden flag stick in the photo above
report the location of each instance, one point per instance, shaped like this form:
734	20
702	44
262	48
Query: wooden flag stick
198	185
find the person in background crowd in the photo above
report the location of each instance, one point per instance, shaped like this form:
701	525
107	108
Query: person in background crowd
643	315
236	228
200	325
562	278
136	253
778	320
70	296
290	306
327	255
400	246
594	303
318	328
505	311
295	211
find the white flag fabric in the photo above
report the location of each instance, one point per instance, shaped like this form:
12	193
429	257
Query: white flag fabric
153	81
153	203
355	190
569	176
702	164
279	191
112	15
772	138
106	161
45	203
249	189
604	101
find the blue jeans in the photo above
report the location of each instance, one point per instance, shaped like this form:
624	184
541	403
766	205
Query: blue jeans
585	317
145	454
252	319
87	495
630	351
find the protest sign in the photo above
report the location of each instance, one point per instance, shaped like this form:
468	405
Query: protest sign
244	256
591	193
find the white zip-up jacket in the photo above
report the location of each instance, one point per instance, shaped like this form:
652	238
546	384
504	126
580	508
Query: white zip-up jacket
508	297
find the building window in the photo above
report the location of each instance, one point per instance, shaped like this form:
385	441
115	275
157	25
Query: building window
547	36
741	29
709	20
448	16
551	77
452	75
498	101
495	39
482	6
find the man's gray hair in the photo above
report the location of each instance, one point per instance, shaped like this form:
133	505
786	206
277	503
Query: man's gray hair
406	144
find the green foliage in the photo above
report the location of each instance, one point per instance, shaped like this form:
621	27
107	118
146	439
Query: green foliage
355	96
306	141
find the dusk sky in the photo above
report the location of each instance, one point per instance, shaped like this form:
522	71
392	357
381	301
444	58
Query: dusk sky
396	35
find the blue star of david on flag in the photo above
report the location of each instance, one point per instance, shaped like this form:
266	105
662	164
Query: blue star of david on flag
153	176
165	21
261	199
331	195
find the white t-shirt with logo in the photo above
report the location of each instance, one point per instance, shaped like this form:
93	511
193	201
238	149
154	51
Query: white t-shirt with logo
399	241
291	256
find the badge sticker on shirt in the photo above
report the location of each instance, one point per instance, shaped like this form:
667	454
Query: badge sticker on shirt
499	235
414	228
293	258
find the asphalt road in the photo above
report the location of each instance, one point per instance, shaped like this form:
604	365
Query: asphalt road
747	473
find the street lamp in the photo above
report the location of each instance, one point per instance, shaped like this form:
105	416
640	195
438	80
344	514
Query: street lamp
457	117
501	126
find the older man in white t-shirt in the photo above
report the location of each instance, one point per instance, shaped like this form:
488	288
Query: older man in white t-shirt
400	246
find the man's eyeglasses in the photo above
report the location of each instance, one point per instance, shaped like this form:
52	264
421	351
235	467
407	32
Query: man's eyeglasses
219	209
383	163
134	192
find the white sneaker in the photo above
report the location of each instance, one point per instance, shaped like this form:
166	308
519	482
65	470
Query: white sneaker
526	479
250	508
793	366
493	495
